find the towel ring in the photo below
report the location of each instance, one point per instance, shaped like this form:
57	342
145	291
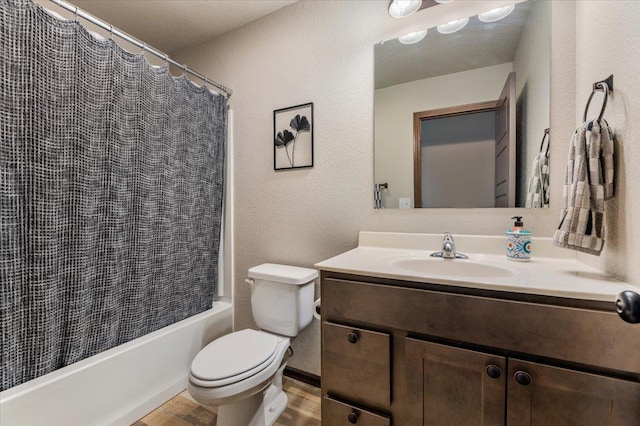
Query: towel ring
605	89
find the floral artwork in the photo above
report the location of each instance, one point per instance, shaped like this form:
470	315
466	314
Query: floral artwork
293	141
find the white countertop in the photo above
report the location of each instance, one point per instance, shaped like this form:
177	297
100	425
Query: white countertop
550	272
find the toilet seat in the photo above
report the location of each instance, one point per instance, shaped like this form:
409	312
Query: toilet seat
234	357
204	392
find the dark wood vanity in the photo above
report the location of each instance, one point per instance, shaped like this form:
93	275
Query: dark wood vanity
408	353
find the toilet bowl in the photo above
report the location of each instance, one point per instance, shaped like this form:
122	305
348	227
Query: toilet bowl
240	367
241	372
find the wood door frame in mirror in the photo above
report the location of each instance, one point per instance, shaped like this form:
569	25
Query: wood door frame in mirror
431	114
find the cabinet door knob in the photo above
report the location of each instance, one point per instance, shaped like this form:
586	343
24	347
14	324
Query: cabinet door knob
493	371
353	417
352	337
628	306
522	378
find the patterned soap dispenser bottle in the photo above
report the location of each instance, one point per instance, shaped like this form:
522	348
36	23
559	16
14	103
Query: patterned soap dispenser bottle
518	241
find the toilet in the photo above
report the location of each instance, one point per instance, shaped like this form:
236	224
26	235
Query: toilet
241	372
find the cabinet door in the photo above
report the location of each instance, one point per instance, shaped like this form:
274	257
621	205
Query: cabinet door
543	395
452	386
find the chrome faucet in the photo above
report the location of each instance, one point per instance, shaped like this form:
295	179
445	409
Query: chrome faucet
448	246
449	249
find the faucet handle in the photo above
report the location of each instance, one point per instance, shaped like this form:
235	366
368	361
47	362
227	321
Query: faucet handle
448	246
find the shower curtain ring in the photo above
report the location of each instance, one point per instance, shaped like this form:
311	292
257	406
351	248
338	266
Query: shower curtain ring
144	47
110	32
185	70
166	61
75	14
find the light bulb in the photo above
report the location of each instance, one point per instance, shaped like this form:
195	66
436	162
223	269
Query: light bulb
404	8
413	37
496	14
453	26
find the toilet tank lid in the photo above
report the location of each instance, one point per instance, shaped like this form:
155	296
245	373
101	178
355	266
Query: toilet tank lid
283	273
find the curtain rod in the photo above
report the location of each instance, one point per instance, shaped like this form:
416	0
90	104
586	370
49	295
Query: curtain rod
114	31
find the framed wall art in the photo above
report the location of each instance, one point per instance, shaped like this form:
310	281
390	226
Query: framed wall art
293	137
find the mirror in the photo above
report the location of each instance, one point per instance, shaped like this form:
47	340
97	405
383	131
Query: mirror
461	118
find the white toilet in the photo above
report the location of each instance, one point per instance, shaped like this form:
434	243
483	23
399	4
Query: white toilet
241	372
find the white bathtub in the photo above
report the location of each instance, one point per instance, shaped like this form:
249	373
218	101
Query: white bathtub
118	386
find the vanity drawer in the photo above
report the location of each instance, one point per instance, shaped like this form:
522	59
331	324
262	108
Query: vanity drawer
356	364
586	336
336	413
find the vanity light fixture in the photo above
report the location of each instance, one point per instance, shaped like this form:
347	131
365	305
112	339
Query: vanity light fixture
496	14
404	8
413	37
453	26
444	1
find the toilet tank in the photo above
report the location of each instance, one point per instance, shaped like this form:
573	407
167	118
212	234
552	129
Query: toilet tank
282	297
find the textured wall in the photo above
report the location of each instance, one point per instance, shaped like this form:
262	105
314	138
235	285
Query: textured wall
322	51
610	44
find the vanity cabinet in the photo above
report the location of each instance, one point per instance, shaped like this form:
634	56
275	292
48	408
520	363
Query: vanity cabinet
444	355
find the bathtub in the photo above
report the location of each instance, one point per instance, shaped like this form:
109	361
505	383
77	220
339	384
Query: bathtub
120	385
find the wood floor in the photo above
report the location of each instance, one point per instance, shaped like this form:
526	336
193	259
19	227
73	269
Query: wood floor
303	409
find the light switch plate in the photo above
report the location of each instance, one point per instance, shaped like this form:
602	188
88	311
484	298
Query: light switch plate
404	203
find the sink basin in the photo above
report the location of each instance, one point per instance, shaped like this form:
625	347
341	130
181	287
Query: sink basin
452	267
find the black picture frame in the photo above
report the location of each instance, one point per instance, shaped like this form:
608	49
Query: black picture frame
293	137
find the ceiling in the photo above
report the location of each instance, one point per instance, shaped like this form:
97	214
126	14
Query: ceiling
475	46
171	25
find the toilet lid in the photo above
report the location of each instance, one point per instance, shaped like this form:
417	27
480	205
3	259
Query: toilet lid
234	354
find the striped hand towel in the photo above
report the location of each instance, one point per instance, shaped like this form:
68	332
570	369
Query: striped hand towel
588	183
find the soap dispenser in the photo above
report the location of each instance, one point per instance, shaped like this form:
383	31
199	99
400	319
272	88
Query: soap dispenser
518	241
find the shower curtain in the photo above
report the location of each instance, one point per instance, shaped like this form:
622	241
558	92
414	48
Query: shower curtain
111	179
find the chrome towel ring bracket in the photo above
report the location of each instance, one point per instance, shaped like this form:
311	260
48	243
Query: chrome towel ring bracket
605	86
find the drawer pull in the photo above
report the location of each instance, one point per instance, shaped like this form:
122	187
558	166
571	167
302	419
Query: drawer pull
352	337
353	417
522	378
493	371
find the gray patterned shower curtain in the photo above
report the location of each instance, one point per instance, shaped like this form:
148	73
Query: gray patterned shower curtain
111	179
